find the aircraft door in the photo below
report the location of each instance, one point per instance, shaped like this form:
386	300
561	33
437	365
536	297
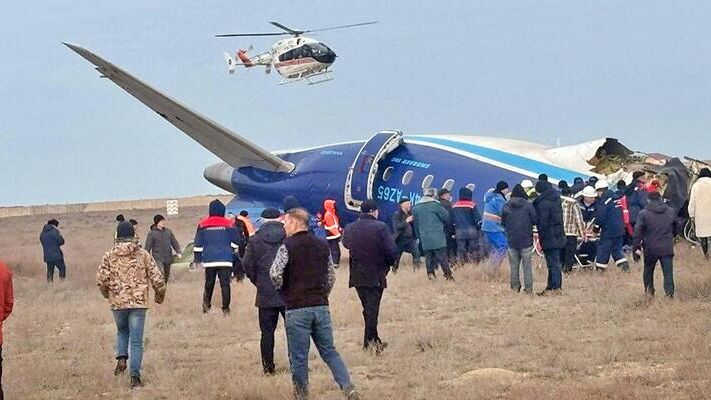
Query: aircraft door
362	173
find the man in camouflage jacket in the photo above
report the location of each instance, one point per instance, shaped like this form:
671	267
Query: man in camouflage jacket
124	276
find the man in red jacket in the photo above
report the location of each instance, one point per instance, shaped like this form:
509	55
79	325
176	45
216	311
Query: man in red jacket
7	300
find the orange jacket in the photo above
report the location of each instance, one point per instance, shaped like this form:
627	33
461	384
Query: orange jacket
330	220
7	295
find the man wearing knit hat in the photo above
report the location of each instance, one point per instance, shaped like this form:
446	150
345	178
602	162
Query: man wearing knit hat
124	276
161	243
551	232
404	233
216	244
466	219
258	258
430	220
491	222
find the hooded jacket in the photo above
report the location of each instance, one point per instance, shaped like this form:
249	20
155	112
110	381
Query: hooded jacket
372	252
700	206
608	216
52	241
125	274
430	220
161	243
330	220
551	232
7	295
493	208
216	239
258	259
518	218
636	199
654	230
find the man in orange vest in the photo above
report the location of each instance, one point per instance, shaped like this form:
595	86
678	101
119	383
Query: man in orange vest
244	217
333	230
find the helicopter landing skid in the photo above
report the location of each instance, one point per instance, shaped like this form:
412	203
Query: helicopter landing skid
322	76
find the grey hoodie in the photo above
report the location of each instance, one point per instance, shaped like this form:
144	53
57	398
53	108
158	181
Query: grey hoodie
160	243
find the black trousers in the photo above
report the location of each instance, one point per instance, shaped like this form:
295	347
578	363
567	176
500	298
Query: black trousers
165	269
211	274
705	246
334	246
370	299
237	267
434	258
407	246
61	267
650	264
268	320
567	253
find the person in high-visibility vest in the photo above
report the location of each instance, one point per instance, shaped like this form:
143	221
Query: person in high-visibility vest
333	230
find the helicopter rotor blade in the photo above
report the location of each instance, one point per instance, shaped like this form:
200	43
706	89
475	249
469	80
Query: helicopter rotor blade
340	27
252	34
287	29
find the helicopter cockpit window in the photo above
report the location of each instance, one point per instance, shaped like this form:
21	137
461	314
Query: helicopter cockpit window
318	49
289	55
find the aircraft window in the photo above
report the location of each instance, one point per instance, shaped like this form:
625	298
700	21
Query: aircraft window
318	49
471	186
305	51
297	53
427	182
289	55
387	174
407	177
448	184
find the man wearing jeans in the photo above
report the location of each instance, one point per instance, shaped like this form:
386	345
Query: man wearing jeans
125	273
518	218
302	272
654	232
551	233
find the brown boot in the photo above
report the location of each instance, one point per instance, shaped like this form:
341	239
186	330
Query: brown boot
120	366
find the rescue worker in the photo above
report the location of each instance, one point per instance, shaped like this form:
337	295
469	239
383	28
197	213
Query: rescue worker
124	276
52	242
161	243
332	225
588	249
636	197
528	188
700	208
467	222
654	234
574	228
404	234
491	222
372	251
445	198
430	220
551	233
608	215
257	261
216	243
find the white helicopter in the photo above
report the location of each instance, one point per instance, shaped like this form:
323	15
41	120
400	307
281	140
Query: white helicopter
296	58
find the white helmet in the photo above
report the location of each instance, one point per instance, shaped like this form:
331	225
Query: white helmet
601	184
589	191
526	184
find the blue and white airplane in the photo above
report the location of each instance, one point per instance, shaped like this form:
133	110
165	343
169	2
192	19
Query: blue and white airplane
385	167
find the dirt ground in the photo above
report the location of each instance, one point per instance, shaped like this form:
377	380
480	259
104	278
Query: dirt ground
472	339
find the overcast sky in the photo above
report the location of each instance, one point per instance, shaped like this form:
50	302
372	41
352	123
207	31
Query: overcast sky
544	71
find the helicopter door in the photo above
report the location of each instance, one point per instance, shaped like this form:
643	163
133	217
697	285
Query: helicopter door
362	173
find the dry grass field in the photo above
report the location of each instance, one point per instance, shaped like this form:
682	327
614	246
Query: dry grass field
472	339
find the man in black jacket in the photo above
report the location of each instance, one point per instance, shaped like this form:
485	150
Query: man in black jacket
404	234
551	232
654	233
466	219
258	258
161	243
445	198
518	218
52	242
372	252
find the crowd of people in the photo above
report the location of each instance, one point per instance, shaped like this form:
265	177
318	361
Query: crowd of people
291	258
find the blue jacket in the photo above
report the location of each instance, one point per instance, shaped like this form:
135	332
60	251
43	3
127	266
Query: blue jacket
216	242
493	209
609	216
466	219
636	200
52	241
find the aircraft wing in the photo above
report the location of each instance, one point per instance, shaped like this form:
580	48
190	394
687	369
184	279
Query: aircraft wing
225	144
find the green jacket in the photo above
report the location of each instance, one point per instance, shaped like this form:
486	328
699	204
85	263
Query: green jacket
430	220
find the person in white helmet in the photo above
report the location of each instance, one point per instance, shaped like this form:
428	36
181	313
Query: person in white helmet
609	217
528	187
587	200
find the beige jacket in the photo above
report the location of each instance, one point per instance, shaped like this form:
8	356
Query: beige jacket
700	206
